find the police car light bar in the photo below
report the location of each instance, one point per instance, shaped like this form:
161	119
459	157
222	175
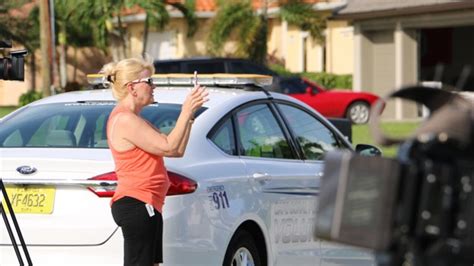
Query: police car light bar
203	79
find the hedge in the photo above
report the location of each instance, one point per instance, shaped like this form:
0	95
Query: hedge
29	97
330	81
327	80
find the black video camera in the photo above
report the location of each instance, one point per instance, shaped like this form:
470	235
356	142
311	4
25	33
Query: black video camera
417	209
12	67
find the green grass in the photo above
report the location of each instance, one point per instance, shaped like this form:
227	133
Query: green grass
361	134
4	110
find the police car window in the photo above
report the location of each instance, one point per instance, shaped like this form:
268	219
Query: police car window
100	132
260	133
59	125
206	67
164	116
224	138
247	68
314	138
70	125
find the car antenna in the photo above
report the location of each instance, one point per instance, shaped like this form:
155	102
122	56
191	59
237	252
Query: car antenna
254	87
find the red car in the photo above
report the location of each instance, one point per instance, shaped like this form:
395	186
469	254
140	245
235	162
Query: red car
354	106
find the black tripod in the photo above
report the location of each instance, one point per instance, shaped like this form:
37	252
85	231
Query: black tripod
17	227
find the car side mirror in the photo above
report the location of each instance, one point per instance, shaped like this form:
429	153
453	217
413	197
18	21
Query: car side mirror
368	150
309	90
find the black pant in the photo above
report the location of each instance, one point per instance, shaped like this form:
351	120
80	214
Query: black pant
143	235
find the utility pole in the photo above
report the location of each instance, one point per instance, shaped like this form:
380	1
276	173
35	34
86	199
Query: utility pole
46	46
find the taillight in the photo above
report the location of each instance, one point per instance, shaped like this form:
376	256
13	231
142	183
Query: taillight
104	190
180	185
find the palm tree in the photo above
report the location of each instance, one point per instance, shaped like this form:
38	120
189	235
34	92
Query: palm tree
101	13
239	18
70	32
161	18
305	17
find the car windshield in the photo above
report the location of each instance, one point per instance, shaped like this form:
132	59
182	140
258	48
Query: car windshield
74	125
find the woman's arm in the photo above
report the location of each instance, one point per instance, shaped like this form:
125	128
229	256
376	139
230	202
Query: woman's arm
138	132
183	144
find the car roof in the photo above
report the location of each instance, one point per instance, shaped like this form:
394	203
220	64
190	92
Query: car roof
173	94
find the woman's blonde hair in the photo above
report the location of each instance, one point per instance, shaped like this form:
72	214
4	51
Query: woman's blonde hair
124	71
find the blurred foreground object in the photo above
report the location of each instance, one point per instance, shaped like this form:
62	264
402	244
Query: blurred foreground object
417	209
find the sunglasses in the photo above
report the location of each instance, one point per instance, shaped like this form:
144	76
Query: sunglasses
149	81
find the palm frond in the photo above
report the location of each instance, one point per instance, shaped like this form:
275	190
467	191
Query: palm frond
156	11
258	50
305	17
188	12
230	17
247	36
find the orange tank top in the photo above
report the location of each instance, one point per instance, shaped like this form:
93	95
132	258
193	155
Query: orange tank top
141	175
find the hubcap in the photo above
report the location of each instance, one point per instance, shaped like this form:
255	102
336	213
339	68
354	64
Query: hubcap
359	114
242	257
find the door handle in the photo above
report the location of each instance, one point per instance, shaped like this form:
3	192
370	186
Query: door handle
262	177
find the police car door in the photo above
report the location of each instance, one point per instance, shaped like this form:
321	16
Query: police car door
284	186
315	139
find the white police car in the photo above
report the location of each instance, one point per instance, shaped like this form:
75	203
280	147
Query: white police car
245	192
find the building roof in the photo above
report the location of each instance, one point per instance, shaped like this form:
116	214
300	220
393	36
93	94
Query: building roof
208	8
211	5
364	9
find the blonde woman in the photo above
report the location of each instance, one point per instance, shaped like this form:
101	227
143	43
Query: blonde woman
138	149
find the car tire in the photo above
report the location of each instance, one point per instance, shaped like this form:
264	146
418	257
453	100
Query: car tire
358	112
242	251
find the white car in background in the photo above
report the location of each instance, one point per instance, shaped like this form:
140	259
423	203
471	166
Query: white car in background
245	192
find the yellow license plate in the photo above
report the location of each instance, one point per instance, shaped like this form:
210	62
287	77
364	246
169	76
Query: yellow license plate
31	199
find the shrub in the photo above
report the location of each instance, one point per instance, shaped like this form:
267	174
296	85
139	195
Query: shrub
330	81
280	70
327	80
29	97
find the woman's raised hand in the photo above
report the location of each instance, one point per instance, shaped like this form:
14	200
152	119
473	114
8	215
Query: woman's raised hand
195	99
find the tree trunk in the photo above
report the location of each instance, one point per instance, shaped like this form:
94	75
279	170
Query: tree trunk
145	35
46	47
33	71
62	56
123	40
74	73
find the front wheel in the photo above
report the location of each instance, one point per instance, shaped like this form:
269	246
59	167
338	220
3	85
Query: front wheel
242	251
358	112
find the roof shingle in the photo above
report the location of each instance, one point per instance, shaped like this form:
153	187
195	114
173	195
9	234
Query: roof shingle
363	6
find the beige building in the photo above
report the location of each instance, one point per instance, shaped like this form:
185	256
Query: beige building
398	43
287	43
